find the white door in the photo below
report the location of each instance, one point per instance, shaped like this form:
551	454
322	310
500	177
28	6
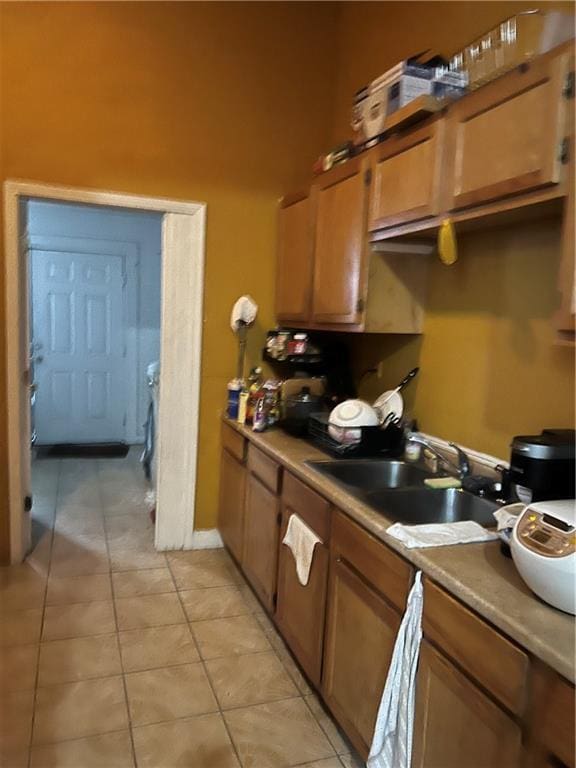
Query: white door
78	340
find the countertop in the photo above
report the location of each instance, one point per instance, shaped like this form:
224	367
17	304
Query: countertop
477	574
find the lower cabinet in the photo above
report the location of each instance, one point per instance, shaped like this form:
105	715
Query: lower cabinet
300	610
552	724
261	528
456	723
481	700
361	628
232	487
360	638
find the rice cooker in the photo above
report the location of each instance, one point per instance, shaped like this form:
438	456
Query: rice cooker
543	548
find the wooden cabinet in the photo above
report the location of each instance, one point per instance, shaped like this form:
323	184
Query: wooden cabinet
566	317
339	258
505	139
456	724
476	647
552	725
261	525
361	627
294	264
406	174
232	487
300	609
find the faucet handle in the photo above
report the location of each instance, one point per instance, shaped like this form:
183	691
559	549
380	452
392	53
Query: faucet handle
463	460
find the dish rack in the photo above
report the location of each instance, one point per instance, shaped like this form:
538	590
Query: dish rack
374	441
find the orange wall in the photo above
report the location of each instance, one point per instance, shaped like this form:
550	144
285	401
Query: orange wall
489	366
227	103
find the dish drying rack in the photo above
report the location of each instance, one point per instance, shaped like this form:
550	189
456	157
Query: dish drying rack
374	442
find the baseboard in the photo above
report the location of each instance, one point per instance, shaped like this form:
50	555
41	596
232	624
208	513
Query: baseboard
207	539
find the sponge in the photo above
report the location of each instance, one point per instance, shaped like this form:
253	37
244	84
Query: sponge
443	482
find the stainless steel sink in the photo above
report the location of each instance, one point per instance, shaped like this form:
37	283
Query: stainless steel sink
378	474
415	506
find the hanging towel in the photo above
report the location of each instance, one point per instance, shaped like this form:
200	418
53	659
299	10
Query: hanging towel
301	540
440	534
392	741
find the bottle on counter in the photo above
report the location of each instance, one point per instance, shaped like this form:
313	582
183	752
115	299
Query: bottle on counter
242	406
254	390
235	387
260	418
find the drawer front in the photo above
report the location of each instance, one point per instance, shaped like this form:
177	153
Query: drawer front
382	567
233	442
485	654
307	504
265	468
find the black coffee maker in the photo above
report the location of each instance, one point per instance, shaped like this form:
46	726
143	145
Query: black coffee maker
544	464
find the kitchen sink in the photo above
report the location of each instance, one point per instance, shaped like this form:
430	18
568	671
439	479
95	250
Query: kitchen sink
378	474
396	488
415	506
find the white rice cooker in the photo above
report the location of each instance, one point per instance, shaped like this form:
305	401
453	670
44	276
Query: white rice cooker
543	546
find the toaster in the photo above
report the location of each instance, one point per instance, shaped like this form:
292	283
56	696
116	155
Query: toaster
543	546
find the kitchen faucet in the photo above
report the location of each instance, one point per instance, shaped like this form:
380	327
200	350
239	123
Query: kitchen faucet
462	469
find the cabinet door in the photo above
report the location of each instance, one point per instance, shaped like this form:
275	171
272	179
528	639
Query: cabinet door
360	635
294	263
231	508
301	610
566	317
551	726
456	724
504	139
261	527
405	177
339	259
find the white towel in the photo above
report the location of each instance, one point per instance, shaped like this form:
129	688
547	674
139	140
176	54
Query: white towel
440	534
301	540
392	741
245	311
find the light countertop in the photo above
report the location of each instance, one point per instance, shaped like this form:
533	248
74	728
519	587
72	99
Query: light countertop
477	574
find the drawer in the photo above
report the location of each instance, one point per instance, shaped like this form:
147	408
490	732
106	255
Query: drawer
234	442
377	563
496	663
265	468
307	504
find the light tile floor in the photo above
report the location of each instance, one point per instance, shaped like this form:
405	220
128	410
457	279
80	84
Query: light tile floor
113	655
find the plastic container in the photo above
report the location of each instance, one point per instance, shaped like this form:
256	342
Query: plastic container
235	386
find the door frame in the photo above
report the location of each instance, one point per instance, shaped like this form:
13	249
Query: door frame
183	251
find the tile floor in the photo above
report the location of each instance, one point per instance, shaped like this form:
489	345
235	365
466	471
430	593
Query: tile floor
113	655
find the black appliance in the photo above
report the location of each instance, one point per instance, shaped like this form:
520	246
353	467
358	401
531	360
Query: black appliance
545	464
297	409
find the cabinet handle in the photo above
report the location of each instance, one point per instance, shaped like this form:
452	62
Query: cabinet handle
338	559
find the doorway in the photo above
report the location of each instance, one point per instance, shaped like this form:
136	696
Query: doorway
182	227
95	287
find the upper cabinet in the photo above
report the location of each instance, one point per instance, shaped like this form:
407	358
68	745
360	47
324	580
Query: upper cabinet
406	177
294	266
339	263
344	284
352	251
506	139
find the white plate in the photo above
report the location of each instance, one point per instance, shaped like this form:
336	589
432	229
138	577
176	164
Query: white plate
384	406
